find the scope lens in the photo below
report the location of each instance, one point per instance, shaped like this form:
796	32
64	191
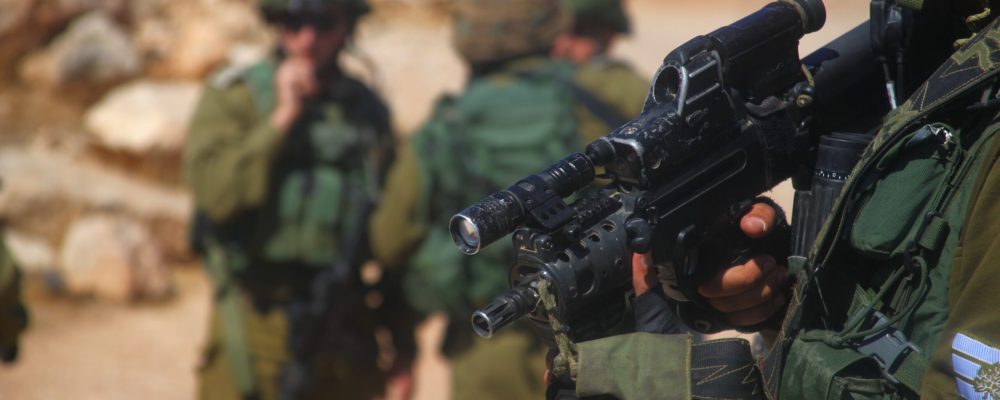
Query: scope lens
466	234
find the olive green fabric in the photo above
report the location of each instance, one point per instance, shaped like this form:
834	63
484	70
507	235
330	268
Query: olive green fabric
617	86
291	197
510	365
280	207
494	30
334	376
599	13
398	226
402	222
13	315
900	179
503	127
973	280
636	366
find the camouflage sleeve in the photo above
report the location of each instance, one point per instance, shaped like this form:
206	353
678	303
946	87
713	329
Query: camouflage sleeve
396	229
228	153
967	356
636	366
13	316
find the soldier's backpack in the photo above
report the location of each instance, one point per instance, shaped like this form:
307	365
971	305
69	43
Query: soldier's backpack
504	127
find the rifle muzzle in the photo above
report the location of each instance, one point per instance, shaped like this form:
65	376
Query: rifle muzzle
506	308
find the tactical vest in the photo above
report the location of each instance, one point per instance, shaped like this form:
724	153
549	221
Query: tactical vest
324	179
871	304
504	127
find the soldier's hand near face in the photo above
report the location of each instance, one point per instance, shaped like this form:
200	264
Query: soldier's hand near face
746	294
294	81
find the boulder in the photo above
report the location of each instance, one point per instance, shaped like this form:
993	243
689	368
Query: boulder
32	254
45	191
144	116
114	258
190	39
94	48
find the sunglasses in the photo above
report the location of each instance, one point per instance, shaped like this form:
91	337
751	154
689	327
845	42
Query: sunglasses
295	22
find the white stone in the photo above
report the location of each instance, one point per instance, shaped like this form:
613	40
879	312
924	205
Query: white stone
31	254
44	191
144	116
93	48
113	258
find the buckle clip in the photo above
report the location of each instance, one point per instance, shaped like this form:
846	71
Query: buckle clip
888	347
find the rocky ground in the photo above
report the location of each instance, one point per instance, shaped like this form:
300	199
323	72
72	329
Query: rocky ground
94	98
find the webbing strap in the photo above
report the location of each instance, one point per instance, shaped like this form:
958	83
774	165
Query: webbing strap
567	361
232	326
724	369
598	108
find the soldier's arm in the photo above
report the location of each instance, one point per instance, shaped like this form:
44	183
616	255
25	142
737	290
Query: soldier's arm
13	316
969	346
636	366
228	153
396	228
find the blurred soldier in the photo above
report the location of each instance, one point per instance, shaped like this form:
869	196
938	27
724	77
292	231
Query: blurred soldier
519	110
13	316
285	159
620	91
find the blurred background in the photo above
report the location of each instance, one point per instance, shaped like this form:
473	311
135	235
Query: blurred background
95	98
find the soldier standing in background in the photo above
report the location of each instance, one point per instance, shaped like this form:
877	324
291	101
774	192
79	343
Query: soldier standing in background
285	160
618	91
13	315
520	109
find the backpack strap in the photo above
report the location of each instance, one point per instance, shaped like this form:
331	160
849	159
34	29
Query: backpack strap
976	62
598	107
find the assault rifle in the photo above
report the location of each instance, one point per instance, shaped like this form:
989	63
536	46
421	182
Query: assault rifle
728	116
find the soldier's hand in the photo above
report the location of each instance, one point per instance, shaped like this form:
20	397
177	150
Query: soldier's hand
294	81
750	293
643	277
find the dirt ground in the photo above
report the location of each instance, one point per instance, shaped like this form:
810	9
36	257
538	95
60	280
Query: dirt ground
93	350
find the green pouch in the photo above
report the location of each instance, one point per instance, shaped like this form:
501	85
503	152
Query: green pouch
910	174
309	217
335	140
430	280
814	370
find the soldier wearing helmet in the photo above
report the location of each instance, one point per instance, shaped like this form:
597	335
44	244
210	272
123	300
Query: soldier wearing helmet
284	159
619	91
520	109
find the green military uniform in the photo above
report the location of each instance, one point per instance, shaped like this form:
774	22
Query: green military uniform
280	208
13	316
914	237
410	226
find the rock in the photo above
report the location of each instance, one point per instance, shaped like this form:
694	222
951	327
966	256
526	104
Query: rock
92	49
113	258
190	39
144	116
12	13
45	191
32	254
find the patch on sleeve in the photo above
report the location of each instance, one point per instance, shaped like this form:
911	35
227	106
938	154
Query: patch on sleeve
977	368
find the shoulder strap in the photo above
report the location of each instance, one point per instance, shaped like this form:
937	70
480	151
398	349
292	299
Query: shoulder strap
976	62
260	79
598	107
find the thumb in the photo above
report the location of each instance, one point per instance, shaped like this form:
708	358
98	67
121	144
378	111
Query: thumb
759	221
642	278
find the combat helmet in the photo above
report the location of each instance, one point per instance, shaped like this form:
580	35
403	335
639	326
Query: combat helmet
274	9
491	30
599	13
